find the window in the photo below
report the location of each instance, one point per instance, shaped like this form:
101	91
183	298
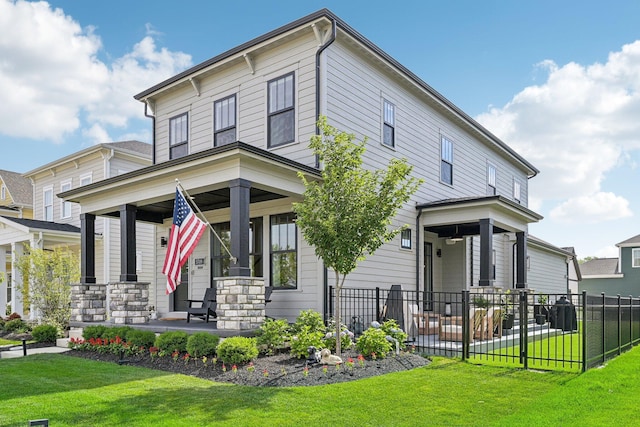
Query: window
516	190
405	239
635	257
388	128
491	179
224	119
47	197
3	192
446	164
65	208
281	112
220	258
178	136
284	257
86	179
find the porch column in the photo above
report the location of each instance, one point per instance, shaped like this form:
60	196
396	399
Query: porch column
87	248
521	260
128	244
239	191
17	250
4	286
486	252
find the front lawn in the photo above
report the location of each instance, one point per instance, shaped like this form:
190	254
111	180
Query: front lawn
72	391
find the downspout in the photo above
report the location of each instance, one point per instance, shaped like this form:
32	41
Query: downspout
325	291
153	132
418	233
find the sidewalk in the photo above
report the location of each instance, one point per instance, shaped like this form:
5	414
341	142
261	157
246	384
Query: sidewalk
17	351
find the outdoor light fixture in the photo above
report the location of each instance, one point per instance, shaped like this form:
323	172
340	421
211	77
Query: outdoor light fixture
457	237
163	242
447	309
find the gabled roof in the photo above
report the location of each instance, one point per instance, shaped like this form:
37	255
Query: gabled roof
634	241
329	16
551	247
599	267
19	187
37	225
135	148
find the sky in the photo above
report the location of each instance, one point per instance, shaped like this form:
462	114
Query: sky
558	81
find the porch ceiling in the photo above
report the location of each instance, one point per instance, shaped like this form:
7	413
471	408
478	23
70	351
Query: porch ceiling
462	216
205	175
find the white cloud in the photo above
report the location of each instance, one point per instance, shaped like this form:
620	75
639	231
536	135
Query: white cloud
607	252
96	134
592	208
51	77
576	126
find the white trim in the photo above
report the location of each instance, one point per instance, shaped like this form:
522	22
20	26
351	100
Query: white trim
64	203
602	276
3	192
633	257
45	190
266	78
86	176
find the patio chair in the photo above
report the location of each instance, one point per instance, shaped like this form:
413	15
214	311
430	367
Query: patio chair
451	329
494	323
479	323
207	306
428	323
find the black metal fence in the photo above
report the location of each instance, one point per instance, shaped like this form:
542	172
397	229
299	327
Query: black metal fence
517	328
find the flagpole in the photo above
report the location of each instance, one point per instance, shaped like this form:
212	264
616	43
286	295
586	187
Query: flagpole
234	260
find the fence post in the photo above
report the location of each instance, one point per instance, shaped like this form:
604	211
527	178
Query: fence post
604	323
377	304
630	321
584	331
619	326
331	299
465	325
524	329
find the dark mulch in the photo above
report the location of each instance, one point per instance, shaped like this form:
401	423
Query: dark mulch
280	370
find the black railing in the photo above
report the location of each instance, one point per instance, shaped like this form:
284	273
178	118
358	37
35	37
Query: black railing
531	330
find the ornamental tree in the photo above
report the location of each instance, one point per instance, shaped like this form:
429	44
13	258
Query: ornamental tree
347	215
50	274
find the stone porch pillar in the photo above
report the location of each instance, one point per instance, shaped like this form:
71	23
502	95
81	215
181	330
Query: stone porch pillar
240	303
88	302
129	302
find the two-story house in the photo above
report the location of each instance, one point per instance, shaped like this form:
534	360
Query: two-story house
614	276
56	222
234	130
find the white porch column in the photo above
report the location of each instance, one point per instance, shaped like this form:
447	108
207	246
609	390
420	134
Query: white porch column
4	285
17	249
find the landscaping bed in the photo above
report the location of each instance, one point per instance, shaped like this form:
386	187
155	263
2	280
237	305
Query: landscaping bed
280	370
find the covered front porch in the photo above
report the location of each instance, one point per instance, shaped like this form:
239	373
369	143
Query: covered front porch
230	185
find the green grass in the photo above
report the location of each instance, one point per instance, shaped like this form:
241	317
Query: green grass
70	392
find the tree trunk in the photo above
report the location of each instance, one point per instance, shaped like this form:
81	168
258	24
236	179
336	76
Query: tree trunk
337	317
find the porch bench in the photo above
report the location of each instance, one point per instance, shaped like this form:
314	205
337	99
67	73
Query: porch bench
428	323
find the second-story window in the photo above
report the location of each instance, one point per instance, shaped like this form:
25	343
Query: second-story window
281	111
3	192
446	163
47	199
389	126
178	136
86	179
491	179
516	190
635	257
224	118
65	208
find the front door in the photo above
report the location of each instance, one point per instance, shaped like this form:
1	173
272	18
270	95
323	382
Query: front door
181	294
428	276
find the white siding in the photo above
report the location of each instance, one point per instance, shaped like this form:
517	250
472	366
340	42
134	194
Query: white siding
548	270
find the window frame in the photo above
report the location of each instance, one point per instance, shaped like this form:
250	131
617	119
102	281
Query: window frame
448	160
225	130
635	257
3	192
406	241
517	190
291	219
285	110
65	205
47	208
492	179
85	177
184	143
388	121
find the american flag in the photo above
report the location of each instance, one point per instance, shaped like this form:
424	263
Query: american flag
186	231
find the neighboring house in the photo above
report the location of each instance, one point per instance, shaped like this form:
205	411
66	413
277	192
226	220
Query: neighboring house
56	222
552	269
16	195
614	276
235	131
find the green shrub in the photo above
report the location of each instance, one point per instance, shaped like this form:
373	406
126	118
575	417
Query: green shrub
304	339
329	340
138	338
117	331
170	341
374	340
45	333
272	335
1	324
202	344
390	327
93	331
237	350
311	319
16	325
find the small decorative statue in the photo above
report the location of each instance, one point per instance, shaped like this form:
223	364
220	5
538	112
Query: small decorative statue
329	359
